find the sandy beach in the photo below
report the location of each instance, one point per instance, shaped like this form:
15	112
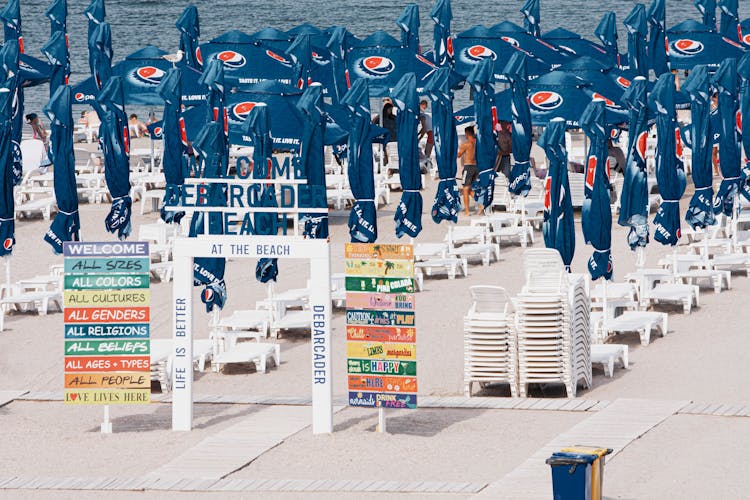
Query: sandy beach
701	360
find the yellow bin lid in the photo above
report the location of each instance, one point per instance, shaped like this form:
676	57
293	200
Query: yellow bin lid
591	450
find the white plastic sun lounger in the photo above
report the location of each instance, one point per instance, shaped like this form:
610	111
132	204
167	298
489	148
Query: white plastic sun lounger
43	206
161	359
641	322
292	320
258	353
451	265
687	295
484	250
607	354
241	325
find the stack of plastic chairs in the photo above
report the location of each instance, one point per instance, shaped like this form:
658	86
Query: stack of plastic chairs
552	325
489	350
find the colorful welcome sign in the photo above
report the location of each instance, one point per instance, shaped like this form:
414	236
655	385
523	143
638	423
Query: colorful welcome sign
381	338
107	323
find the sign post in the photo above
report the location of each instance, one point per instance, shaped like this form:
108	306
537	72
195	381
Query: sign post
380	329
107	324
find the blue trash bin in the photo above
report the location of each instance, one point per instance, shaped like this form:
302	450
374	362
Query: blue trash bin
571	475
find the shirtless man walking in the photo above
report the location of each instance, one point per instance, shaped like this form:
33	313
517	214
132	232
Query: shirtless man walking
470	173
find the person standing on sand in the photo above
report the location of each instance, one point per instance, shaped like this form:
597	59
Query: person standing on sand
425	120
470	173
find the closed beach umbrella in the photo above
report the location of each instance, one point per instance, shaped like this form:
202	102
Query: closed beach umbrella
634	198
67	223
56	52
442	15
115	143
575	45
300	52
190	32
408	215
596	215
447	201
481	79
670	172
743	71
637	26
174	158
726	84
7	213
408	21
558	227
520	173
692	43
338	46
95	13
530	11
362	220
729	19
101	46
11	18
657	21
57	13
10	56
707	8
700	212
258	127
312	160
606	31
213	79
209	271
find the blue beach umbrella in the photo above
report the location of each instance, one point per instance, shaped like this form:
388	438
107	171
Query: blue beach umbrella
56	52
11	17
57	13
362	220
481	80
115	139
442	15
503	102
670	172
258	126
447	200
174	159
95	13
700	212
691	43
577	46
312	162
209	271
10	57
707	9
605	82
271	37
637	26
101	47
743	71
142	72
318	37
606	31
530	11
634	202
726	84
558	227
530	45
408	22
190	31
213	79
67	223
7	204
408	215
520	173
300	52
730	18
338	46
656	50
596	214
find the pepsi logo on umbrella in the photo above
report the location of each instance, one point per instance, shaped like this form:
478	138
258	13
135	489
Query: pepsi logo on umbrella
478	52
641	145
622	82
149	75
738	121
241	110
157	131
376	66
276	57
198	56
8	243
208	295
687	47
546	100
231	59
591	172
607	102
510	40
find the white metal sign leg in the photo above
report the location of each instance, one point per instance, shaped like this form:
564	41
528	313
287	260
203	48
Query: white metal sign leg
322	386
182	344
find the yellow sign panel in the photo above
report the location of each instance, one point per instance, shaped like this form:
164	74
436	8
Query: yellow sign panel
107	298
108	380
377	268
381	350
378	251
107	397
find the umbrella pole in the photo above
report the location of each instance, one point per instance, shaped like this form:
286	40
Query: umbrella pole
606	311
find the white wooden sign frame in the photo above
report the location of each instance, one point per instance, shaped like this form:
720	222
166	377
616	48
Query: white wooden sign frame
317	251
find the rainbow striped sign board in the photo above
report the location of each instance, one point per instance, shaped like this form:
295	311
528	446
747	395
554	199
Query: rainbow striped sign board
107	323
381	345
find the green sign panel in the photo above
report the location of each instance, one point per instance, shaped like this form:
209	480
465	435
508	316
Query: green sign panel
106	281
381	285
107	347
108	265
382	367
